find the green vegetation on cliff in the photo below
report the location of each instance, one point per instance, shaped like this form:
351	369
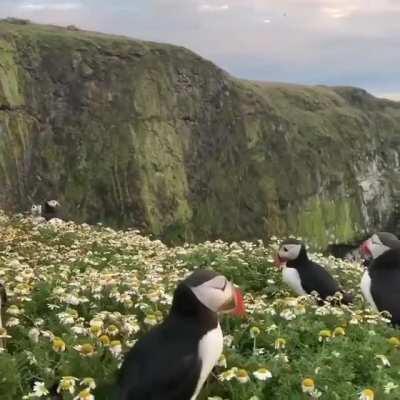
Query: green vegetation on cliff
149	135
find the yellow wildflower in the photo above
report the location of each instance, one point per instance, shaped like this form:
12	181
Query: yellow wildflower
115	347
394	341
105	340
86	350
67	384
221	361
280	343
325	334
339	331
84	395
242	376
254	332
112	330
308	385
58	344
262	374
367	394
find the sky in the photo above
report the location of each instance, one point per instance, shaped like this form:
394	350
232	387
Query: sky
331	42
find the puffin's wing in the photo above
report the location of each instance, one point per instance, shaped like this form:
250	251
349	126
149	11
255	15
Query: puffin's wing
321	281
385	291
3	294
161	367
173	381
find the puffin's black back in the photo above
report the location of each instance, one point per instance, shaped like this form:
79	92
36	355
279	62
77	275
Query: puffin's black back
164	364
314	277
384	272
49	212
3	295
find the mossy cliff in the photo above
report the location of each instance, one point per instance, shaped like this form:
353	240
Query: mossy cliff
149	135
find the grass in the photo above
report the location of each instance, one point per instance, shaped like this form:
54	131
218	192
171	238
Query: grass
80	296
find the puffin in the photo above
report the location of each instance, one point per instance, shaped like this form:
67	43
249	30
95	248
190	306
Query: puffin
380	283
50	209
173	360
304	276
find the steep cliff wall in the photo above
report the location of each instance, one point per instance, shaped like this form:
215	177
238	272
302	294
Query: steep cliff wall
149	135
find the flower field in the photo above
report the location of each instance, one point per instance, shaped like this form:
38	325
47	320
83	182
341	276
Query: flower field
79	297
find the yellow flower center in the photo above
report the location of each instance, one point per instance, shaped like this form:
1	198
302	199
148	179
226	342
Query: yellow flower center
105	340
308	382
339	331
58	344
112	330
280	342
394	341
87	348
368	394
241	373
85	394
115	343
95	329
254	331
325	333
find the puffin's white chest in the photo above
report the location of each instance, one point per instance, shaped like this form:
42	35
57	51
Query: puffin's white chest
366	290
292	278
210	349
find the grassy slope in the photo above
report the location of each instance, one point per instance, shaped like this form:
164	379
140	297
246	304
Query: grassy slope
63	278
135	133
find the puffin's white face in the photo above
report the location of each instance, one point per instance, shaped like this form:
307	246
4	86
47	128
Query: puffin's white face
374	247
289	252
219	295
53	203
36	209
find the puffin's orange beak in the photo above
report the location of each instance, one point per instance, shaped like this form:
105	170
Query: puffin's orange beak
279	261
235	305
365	248
240	308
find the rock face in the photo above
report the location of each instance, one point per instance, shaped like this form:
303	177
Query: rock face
152	136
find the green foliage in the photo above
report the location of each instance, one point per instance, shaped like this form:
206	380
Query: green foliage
80	297
9	377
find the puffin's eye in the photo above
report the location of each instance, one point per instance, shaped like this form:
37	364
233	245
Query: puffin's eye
223	287
285	249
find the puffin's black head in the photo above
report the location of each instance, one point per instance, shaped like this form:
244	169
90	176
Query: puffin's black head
378	244
291	252
207	291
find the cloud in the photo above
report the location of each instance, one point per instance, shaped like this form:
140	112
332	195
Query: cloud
349	42
49	6
340	12
212	8
390	96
